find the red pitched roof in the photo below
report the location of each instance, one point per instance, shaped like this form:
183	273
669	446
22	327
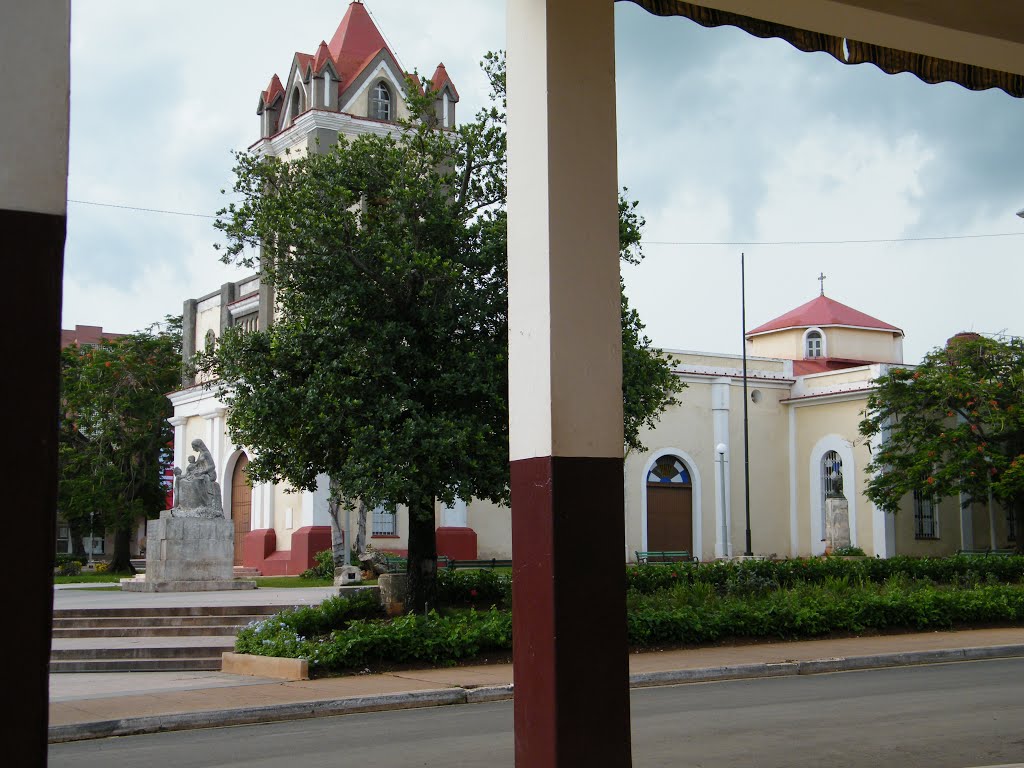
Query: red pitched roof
323	55
440	78
274	90
822	311
356	41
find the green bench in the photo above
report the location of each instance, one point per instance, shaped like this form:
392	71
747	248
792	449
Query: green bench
998	552
492	563
398	564
665	556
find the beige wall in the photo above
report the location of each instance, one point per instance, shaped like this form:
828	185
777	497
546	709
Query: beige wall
948	513
493	526
849	343
860	344
769	472
832	426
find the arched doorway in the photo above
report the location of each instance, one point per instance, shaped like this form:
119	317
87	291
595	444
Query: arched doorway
241	505
669	506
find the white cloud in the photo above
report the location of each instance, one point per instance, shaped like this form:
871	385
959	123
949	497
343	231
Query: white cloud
722	137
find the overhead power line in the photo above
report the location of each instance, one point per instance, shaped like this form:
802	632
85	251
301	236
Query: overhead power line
832	242
866	241
145	210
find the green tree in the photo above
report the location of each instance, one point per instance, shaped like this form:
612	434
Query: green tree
952	425
114	436
386	367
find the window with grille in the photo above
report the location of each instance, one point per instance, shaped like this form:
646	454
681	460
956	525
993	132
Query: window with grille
385	520
926	523
380	102
63	539
831	481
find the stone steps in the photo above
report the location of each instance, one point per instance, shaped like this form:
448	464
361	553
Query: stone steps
178	639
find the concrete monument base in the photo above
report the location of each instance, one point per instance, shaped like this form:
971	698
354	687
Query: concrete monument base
188	554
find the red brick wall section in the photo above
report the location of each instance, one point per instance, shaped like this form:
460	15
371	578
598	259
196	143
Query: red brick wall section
261	550
258	545
457	543
306	542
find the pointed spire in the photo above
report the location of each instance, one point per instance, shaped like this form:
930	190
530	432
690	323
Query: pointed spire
440	79
356	40
322	57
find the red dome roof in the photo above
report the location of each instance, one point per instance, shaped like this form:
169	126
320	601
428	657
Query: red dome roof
822	311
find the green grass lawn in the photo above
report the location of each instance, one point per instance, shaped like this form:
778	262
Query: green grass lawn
279	582
91	578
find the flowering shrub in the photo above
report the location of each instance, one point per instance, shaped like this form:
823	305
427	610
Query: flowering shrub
478	587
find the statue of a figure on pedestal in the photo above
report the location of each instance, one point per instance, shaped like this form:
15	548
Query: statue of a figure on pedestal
196	490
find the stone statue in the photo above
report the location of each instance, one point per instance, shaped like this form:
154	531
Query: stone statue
196	490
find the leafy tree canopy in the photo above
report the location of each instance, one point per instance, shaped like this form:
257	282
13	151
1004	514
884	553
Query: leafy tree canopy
386	365
114	435
952	425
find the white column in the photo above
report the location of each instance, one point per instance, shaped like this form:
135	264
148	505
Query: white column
178	422
966	522
794	525
720	425
565	333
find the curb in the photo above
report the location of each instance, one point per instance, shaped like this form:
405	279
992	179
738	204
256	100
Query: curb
132	726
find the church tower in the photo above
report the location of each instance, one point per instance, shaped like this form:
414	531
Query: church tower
350	85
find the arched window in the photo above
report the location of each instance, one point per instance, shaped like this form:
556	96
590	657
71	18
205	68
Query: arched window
813	344
380	102
831	481
669	469
295	106
831	475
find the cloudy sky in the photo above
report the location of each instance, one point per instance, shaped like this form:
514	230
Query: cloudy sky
723	138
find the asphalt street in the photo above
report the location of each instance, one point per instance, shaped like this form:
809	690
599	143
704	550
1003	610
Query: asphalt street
957	715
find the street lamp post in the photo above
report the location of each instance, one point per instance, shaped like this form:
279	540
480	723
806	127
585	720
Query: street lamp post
91	542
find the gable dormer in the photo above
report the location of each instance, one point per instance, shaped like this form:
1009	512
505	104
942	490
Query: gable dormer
270	107
447	96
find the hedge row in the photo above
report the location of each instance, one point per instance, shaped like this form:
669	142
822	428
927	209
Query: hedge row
684	614
961	570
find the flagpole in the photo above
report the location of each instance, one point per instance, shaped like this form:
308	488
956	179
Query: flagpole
746	439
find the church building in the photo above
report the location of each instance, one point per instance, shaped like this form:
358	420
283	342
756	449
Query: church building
807	377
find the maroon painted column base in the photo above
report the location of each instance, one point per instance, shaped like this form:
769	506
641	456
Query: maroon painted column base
34	256
570	650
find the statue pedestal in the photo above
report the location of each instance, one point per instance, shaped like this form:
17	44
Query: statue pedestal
837	523
188	554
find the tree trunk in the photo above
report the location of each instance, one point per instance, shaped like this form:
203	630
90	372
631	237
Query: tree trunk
422	562
121	561
361	529
337	533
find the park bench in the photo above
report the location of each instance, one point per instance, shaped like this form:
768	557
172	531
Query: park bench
655	557
998	552
397	564
492	563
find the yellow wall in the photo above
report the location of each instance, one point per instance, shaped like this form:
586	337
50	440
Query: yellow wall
785	344
813	422
859	344
769	472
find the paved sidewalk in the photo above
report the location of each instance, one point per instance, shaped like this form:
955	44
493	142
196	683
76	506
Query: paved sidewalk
87	706
95	705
